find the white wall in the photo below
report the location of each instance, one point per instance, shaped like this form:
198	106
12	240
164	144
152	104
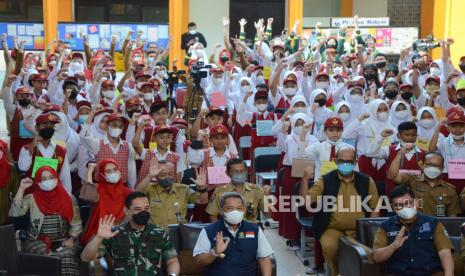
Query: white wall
370	8
208	15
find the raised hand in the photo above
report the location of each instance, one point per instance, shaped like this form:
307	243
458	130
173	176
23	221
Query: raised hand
270	20
26	183
201	180
400	239
104	228
221	245
386	133
225	21
242	22
154	169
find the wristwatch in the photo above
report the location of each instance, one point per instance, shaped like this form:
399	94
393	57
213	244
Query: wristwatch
172	274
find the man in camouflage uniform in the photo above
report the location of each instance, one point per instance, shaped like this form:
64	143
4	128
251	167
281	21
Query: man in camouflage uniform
136	247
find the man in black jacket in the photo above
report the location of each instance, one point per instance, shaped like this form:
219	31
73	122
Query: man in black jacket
191	37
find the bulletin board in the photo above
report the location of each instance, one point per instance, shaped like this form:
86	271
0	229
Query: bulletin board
99	35
31	33
389	41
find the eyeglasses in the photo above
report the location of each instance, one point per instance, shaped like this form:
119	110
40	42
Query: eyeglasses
342	161
402	205
439	166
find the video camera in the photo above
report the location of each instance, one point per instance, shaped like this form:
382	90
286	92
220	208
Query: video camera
173	77
425	44
196	71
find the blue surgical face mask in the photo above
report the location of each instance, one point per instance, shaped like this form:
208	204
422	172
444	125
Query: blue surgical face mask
83	119
345	168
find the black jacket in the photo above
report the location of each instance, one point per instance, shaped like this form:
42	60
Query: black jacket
186	37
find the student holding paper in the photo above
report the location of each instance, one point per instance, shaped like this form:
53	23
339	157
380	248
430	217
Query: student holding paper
42	151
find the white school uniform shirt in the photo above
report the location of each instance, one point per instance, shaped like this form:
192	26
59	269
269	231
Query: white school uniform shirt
203	244
25	163
290	145
244	114
450	150
319	152
93	145
217	160
180	167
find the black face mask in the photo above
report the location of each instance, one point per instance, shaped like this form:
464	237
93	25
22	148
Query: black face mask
381	64
113	76
309	73
461	101
407	95
73	95
462	67
321	102
24	102
130	113
391	94
46	133
165	183
141	218
331	46
370	77
224	59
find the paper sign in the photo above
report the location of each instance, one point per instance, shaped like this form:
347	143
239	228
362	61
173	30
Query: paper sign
218	99
44	161
327	166
299	165
264	127
217	175
93	29
386	142
440	113
383	37
456	169
267	72
411	172
153	145
23	132
423	144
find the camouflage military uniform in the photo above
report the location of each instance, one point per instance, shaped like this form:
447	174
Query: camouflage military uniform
139	252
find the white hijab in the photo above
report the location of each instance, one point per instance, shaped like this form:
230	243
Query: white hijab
395	122
358	108
423	132
352	116
373	122
95	130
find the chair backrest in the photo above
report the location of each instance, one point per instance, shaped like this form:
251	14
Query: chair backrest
245	142
188	234
266	158
8	252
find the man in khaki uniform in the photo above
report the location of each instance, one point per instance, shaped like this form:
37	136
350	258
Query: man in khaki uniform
252	194
330	226
438	198
168	200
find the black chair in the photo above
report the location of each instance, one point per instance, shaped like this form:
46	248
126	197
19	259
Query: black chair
13	262
265	161
305	223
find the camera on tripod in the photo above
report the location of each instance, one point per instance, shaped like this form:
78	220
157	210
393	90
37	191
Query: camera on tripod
196	71
425	44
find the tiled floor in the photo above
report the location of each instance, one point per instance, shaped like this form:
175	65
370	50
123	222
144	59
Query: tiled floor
286	260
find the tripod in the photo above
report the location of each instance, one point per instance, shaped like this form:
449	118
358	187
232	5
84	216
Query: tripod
194	102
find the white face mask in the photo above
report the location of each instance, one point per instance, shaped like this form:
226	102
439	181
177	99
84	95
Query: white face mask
290	91
199	52
234	217
297	130
76	67
403	114
192	32
300	110
356	98
151	59
114	132
109	94
67	51
161	74
338	70
235	75
217	81
48	185
52	63
344	116
434	71
246	88
383	116
457	137
137	59
260	80
322	84
113	177
148	96
262	107
432	172
407	213
391	79
427	123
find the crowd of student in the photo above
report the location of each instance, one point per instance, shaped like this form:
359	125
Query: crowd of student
73	123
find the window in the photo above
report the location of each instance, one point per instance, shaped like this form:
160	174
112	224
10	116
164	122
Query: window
21	10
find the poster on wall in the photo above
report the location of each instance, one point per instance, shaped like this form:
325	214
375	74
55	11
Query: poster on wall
32	34
100	35
390	41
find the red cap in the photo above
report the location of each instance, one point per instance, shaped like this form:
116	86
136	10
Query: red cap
141	74
213	109
334	122
133	101
117	116
52	108
290	78
157	103
433	78
23	90
180	121
162	129
456	117
155	82
147	84
257	68
77	55
108	83
219	130
454	110
322	74
105	110
216	70
405	85
83	104
298	63
261	94
47	118
39	77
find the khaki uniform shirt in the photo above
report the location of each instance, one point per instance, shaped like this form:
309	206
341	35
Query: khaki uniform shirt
252	194
342	219
443	195
162	203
